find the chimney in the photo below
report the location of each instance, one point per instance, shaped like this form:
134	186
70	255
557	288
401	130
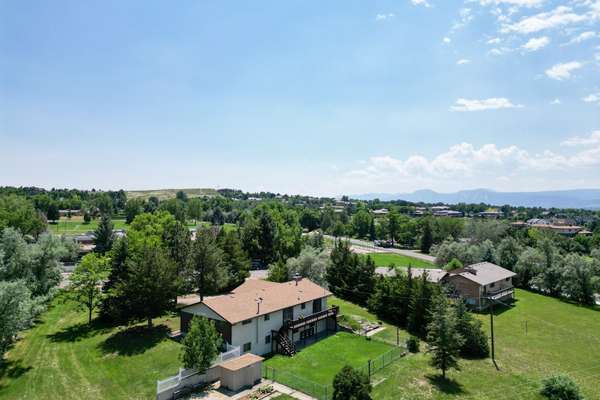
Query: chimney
297	278
258	301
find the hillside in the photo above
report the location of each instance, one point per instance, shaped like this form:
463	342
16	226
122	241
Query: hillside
165	194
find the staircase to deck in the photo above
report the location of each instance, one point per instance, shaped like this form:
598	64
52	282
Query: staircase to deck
285	343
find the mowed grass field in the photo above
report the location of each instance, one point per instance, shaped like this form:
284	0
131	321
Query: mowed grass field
537	337
63	358
76	226
399	260
320	361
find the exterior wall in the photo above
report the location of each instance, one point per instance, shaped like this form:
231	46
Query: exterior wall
498	286
236	380
466	288
256	331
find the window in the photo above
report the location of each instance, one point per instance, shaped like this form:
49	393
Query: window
267	317
303	306
317	306
246	322
247	347
288	314
267	339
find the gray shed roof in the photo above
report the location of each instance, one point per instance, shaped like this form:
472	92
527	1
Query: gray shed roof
484	273
433	275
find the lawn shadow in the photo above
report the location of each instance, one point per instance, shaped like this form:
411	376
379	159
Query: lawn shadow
77	332
12	369
135	340
445	385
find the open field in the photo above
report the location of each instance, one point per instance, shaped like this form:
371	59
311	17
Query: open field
538	337
399	260
63	358
165	194
75	226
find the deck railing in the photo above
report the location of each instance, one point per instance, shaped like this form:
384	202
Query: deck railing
330	312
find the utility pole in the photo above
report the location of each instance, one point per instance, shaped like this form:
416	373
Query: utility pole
492	333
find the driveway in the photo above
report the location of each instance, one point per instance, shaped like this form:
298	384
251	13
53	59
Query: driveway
369	245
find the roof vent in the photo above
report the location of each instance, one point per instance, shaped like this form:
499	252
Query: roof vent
297	278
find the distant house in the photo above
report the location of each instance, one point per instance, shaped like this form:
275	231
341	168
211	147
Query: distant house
69	213
490	214
267	317
382	212
86	242
448	213
478	284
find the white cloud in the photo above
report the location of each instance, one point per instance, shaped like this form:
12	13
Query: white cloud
592	98
494	41
493	103
534	44
463	61
423	3
590	140
498	51
446	40
563	71
558	17
518	3
383	17
582	37
464	161
556	101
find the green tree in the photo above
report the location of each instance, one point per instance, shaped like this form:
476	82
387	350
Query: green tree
350	384
530	264
149	286
444	339
475	340
110	302
207	264
278	272
453	264
18	212
132	209
426	237
201	344
104	235
560	387
310	263
507	253
361	222
15	312
52	213
579	279
178	244
419	312
87	279
349	276
194	209
393	225
235	258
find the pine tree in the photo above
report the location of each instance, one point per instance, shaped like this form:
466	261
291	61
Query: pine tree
104	235
475	340
444	339
350	384
426	238
419	306
200	345
235	258
207	265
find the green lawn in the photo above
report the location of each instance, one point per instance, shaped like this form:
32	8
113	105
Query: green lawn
320	361
560	337
76	226
399	260
61	358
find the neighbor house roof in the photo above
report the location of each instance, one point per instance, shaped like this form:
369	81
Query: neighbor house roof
243	361
483	273
433	275
242	302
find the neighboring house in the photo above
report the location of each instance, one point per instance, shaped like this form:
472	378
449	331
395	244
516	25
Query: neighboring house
267	317
481	283
382	212
448	213
86	242
490	214
478	283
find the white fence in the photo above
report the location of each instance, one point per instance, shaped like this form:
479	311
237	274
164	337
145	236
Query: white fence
188	377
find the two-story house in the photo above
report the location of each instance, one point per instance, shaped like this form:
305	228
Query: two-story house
266	317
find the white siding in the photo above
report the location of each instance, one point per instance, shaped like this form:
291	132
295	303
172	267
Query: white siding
202	309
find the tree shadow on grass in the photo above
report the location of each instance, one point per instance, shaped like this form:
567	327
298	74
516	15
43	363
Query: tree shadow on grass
445	385
12	369
135	340
75	333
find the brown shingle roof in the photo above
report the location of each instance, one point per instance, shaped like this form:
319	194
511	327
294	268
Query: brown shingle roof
240	362
484	273
241	303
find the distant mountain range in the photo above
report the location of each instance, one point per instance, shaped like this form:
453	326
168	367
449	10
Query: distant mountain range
578	198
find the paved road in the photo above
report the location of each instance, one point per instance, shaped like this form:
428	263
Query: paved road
409	253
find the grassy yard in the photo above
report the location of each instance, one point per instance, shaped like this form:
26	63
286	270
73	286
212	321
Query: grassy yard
320	361
399	260
560	338
63	358
75	226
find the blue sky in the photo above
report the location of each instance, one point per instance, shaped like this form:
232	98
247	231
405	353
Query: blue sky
301	97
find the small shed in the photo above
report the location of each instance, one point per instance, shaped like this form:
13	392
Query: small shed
240	372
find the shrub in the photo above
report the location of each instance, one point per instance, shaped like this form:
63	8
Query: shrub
560	387
413	344
350	384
